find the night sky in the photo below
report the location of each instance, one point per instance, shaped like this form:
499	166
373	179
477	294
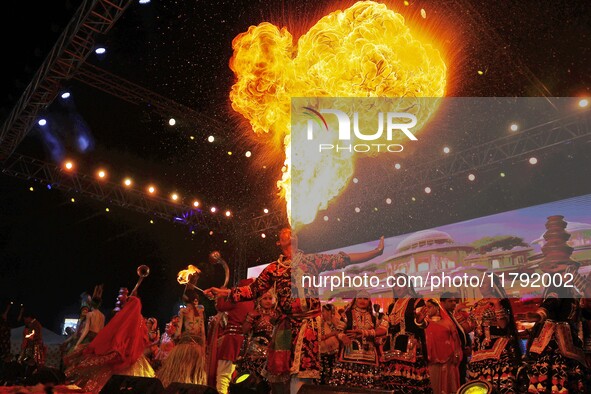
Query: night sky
51	249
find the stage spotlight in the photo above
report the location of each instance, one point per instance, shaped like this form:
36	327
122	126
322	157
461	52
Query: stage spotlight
583	103
246	382
172	121
476	387
68	165
427	190
151	189
228	213
357	209
144	1
65	95
471	177
210	138
326	218
248	154
388	201
174	196
195	203
100	50
397	166
101	174
265	210
263	235
533	160
446	150
42	122
213	209
514	127
127	182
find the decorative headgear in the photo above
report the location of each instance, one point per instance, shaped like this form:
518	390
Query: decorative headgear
121	299
85	301
97	296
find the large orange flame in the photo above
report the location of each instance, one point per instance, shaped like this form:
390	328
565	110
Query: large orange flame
364	51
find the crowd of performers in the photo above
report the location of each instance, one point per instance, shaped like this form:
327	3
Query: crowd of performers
285	337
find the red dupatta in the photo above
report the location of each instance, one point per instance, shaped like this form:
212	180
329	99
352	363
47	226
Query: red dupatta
126	334
443	341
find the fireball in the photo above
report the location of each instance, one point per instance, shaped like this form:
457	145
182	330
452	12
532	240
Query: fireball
366	50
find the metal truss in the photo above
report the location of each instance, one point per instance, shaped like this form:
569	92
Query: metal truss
112	84
264	223
488	154
431	172
28	168
76	42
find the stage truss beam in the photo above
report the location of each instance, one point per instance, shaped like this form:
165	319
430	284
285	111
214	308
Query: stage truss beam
28	168
76	42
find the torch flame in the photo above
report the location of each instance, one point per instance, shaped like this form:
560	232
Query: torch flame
185	276
366	50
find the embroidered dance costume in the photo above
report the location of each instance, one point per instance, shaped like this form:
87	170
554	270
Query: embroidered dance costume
358	364
404	352
294	347
329	348
186	361
555	352
257	341
495	352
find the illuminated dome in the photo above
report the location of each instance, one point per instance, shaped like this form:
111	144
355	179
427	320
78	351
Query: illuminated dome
424	238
